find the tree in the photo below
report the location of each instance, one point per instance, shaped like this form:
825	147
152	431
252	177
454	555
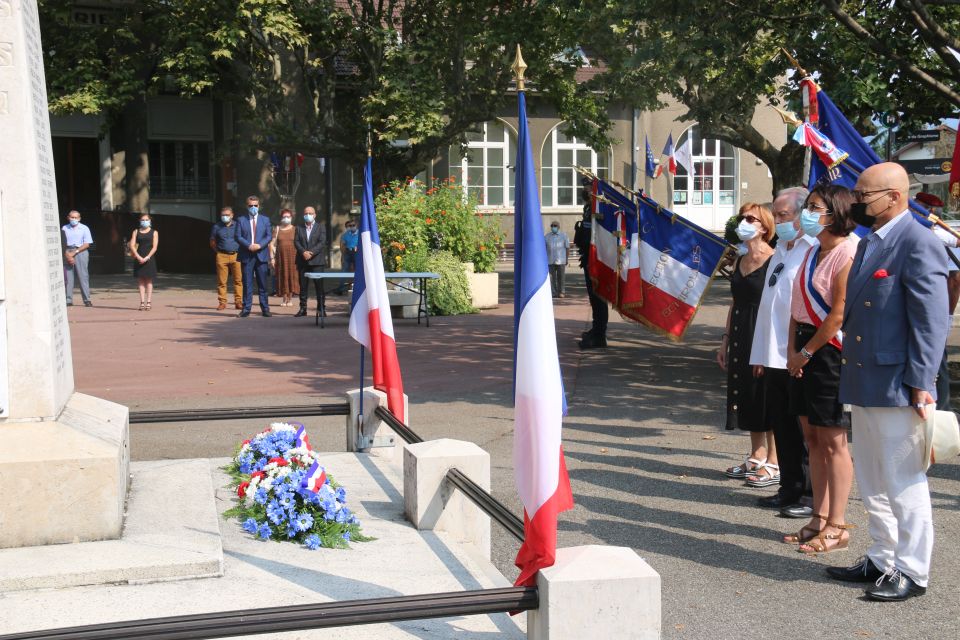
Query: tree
317	75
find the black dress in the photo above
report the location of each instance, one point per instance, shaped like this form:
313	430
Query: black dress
144	246
744	392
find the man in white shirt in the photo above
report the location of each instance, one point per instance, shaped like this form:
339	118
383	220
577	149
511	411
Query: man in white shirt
76	257
769	353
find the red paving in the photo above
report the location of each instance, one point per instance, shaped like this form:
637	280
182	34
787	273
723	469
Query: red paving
185	349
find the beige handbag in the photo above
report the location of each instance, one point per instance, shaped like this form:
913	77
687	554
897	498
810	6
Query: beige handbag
942	437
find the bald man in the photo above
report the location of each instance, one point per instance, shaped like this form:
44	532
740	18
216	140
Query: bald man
895	326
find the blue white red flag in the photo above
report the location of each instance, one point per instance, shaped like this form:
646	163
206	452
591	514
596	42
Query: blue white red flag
370	322
315	478
671	157
539	403
302	439
829	154
614	265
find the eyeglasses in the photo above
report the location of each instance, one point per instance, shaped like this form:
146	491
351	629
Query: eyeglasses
819	208
751	219
860	195
776	272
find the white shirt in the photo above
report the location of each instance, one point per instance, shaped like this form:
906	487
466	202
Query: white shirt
881	233
773	318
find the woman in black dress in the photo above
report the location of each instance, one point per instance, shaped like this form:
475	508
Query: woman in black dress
143	247
744	391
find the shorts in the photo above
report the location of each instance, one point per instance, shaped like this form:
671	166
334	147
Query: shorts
816	395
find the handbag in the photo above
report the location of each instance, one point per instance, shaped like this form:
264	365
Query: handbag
942	437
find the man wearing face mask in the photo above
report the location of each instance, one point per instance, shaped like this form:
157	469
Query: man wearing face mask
76	257
768	355
349	242
253	239
223	242
558	245
895	327
311	244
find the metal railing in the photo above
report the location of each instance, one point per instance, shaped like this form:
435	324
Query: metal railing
299	617
231	413
402	430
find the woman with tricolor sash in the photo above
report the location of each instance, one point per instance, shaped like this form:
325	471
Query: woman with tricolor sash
814	362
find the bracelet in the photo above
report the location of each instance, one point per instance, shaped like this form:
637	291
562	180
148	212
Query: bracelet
806	354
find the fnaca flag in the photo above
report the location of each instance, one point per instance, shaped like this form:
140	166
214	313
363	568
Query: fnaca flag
370	322
614	265
539	404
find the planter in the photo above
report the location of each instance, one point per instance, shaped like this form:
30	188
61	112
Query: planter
484	288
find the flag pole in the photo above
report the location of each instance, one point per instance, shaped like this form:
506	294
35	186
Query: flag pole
362	354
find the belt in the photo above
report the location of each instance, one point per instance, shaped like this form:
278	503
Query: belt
803	326
229	253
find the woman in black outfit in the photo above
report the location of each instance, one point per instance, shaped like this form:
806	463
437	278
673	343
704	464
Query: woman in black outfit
143	247
744	391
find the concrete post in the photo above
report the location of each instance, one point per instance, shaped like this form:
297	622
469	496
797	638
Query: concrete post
430	502
606	592
379	438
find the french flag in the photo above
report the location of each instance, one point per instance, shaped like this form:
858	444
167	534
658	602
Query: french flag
370	321
316	477
302	440
668	151
677	261
539	404
614	257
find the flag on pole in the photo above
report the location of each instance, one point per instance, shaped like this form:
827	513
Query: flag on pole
539	403
684	156
809	90
370	322
828	153
651	163
614	265
671	159
954	189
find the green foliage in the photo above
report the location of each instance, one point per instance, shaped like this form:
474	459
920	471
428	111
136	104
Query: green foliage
412	218
450	295
730	230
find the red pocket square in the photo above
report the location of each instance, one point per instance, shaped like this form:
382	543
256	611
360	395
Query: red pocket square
880	274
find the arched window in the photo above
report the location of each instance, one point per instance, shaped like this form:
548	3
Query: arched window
486	169
708	196
559	182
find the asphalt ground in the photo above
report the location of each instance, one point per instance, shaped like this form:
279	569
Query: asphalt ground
643	438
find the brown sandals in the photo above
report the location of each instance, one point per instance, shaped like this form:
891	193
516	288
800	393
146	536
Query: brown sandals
799	537
819	544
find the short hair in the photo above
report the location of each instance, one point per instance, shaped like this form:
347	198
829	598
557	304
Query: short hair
224	209
838	200
72	211
798	196
257	198
144	215
283	211
554	222
766	218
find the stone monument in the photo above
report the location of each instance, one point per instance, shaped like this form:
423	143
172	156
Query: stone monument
65	454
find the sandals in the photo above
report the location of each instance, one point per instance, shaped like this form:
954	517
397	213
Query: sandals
819	544
799	537
741	471
143	305
764	475
148	305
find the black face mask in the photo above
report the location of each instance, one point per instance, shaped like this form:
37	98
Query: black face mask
858	211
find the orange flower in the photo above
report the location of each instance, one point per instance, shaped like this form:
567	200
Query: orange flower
483	248
416	211
429	220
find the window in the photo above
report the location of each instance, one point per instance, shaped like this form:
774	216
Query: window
709	195
560	183
180	170
486	170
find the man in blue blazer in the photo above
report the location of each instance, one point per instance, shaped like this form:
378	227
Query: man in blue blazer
895	329
253	236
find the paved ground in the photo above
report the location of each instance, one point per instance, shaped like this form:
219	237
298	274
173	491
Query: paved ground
643	440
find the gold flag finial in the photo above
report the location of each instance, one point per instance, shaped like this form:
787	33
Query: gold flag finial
519	67
788	117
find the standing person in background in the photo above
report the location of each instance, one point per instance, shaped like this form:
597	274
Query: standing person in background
745	408
558	245
768	356
283	258
952	243
349	242
596	335
311	248
223	241
253	238
143	247
76	257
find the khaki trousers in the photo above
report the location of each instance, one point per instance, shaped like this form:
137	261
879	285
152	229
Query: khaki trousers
227	262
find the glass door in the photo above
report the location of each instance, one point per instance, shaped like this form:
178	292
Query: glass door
708	197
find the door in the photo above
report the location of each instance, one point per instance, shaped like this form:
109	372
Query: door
708	195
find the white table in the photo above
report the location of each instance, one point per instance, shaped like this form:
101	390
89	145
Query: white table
421	290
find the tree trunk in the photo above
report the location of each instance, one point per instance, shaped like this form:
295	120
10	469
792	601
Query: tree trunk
787	170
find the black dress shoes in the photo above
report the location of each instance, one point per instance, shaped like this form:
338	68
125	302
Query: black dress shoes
863	571
301	313
266	313
796	511
243	314
895	587
775	501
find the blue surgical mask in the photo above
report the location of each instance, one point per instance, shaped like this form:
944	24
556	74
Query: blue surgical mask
555	229
308	218
253	210
787	232
74	223
810	223
286	220
746	231
145	224
226	219
352	230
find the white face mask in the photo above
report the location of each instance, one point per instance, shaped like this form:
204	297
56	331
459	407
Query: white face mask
746	231
285	220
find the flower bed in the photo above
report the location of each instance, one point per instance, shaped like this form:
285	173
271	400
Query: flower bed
285	494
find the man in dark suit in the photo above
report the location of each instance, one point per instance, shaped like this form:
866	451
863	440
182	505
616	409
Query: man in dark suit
253	237
311	243
895	326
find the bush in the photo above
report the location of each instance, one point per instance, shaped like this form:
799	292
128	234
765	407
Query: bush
450	295
412	218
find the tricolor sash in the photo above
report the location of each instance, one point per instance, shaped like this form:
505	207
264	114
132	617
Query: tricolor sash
817	307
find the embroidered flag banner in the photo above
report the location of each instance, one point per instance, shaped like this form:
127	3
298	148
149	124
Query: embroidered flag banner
828	152
614	265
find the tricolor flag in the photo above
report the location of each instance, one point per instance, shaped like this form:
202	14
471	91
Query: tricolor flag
302	439
539	404
830	156
671	159
614	266
370	321
651	162
315	478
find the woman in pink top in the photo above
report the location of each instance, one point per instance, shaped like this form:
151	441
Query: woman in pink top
814	362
